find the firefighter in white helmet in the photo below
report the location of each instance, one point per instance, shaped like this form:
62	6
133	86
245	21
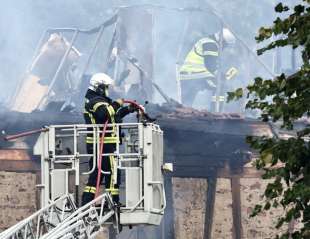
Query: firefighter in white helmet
99	108
199	69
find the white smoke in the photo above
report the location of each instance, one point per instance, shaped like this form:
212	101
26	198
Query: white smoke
23	22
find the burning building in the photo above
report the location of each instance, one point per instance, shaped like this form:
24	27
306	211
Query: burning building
213	187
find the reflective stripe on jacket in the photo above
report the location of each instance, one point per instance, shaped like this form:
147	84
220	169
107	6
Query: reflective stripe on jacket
92	106
194	64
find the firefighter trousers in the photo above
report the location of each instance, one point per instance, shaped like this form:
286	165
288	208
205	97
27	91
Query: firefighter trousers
190	89
107	165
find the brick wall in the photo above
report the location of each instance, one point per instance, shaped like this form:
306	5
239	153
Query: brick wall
189	197
17	197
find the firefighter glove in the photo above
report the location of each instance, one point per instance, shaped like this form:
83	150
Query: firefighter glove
120	102
132	108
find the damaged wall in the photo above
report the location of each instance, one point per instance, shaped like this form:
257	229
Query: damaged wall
189	200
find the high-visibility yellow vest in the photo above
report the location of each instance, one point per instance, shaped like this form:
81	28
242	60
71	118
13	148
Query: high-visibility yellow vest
193	66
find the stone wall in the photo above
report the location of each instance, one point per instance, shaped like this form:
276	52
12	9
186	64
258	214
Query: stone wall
17	197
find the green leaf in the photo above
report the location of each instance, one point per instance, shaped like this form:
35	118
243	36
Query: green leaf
279	7
235	95
266	156
257	209
267	206
230	96
239	93
299	9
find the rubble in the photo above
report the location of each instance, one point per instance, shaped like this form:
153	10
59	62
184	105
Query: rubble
39	78
186	112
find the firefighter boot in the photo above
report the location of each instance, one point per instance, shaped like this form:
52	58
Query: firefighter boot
87	197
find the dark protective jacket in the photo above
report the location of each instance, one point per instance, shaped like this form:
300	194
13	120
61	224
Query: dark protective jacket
98	109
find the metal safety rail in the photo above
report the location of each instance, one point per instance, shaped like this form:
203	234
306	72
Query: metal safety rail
138	155
42	221
86	222
63	149
53	222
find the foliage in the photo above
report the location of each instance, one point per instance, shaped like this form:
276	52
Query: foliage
285	99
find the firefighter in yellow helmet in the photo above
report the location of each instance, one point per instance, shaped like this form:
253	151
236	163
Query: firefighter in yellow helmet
199	69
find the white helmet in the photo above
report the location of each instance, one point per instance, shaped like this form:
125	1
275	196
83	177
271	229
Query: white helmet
228	37
100	79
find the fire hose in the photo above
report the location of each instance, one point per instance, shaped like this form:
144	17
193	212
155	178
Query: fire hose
27	133
31	132
100	158
137	106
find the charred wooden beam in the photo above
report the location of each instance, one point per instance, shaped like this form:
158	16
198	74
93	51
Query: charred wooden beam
169	212
210	207
236	208
19	166
17	160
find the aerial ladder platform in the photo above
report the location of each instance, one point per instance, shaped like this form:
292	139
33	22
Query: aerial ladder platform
139	157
